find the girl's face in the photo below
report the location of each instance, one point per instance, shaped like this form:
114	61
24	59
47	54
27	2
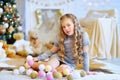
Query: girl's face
68	26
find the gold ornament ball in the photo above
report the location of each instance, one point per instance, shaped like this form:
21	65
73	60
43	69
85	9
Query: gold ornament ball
57	75
48	68
69	77
26	66
66	72
82	73
34	74
2	30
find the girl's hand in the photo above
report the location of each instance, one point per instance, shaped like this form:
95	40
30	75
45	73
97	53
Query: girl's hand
35	66
85	49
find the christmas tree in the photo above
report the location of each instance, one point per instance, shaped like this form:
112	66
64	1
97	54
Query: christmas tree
9	20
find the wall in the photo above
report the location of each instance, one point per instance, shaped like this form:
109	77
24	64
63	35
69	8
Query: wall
77	7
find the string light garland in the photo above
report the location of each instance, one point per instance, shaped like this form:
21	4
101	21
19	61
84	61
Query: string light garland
96	2
48	3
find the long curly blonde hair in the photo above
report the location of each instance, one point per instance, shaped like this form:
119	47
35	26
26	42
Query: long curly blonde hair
77	39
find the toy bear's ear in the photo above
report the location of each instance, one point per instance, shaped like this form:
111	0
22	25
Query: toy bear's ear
18	36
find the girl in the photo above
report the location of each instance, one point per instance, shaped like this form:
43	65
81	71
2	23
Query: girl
71	47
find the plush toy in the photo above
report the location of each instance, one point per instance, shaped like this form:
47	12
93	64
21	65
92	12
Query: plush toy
4	44
22	46
35	42
49	45
9	49
2	51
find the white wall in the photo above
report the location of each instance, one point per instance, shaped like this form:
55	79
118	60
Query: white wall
77	7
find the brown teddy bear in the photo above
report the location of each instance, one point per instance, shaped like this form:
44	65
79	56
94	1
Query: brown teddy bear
35	42
38	46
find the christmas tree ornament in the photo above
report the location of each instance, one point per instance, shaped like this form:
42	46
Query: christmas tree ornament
14	6
1	3
5	18
20	28
2	29
1	11
6	8
11	10
6	25
8	5
11	29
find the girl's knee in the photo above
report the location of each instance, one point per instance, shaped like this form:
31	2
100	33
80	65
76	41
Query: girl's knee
54	62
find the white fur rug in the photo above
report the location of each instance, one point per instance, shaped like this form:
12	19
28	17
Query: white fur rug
8	75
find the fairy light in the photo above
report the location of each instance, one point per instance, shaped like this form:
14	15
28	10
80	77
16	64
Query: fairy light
50	2
96	2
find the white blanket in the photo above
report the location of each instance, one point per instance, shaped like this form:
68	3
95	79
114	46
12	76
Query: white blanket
7	75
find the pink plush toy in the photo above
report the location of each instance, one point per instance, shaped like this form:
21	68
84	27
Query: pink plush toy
49	76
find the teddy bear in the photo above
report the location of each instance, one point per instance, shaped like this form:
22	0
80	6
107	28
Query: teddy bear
2	51
22	46
38	46
35	42
9	49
